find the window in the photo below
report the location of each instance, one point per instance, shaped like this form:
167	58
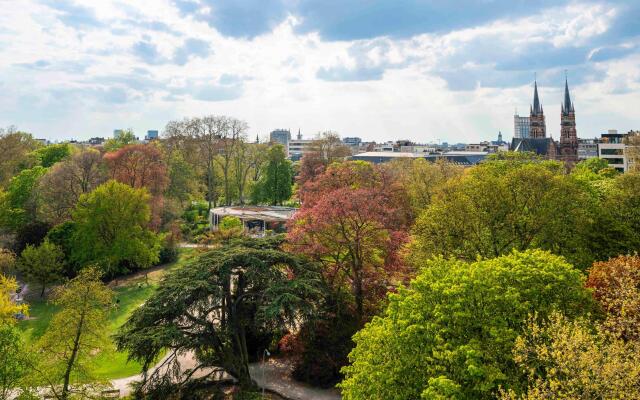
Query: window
612	152
615	160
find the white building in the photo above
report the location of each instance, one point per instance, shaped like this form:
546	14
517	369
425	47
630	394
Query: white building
611	147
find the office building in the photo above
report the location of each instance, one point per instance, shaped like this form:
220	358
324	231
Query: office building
520	127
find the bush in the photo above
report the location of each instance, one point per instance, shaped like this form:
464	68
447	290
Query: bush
32	233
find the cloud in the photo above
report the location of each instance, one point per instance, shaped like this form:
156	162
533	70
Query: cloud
191	48
75	15
148	52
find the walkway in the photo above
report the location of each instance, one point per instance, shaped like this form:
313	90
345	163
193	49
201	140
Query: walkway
275	375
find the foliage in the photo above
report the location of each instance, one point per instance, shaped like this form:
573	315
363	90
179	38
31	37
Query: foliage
42	264
275	185
616	286
14	360
324	151
245	287
503	205
62	236
230	223
75	335
354	224
66	181
48	155
20	203
566	359
183	184
594	169
126	137
450	334
111	229
15	148
32	233
7	260
8	308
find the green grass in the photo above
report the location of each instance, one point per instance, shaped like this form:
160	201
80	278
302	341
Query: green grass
131	293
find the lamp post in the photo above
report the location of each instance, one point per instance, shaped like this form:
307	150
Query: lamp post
265	354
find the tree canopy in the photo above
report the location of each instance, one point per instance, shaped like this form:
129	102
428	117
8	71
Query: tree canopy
211	306
452	331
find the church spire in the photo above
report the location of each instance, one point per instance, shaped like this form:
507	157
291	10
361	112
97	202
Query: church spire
537	109
567	107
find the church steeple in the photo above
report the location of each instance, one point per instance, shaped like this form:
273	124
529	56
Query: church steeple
567	106
537	108
537	125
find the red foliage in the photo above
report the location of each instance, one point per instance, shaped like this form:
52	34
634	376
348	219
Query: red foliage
354	219
141	166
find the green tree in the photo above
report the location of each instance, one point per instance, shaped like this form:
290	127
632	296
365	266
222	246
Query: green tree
15	150
213	306
43	264
19	204
276	183
53	153
508	204
14	360
451	333
126	137
75	334
112	229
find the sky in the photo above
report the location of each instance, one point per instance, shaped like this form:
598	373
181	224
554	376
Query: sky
423	70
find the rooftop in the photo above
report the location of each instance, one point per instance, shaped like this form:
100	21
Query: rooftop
262	213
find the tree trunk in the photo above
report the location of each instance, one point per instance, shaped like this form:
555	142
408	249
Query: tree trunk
72	358
42	291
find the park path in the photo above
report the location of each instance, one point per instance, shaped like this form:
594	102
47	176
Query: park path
274	375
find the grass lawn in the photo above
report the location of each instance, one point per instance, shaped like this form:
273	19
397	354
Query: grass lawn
131	292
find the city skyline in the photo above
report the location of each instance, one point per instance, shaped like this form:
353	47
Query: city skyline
419	71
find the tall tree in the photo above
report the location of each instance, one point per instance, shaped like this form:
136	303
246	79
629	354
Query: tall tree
14	361
112	229
326	149
141	166
451	333
126	137
232	136
276	183
43	264
15	149
64	183
48	155
247	158
507	204
75	334
212	305
21	201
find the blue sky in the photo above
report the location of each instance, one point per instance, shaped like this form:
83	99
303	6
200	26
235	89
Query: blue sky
383	70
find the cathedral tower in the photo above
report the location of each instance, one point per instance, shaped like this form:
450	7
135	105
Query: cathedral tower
537	125
568	134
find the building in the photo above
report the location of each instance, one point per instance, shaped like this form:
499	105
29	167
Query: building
466	158
299	147
384	147
282	136
611	147
537	124
545	147
520	127
256	220
352	141
587	148
151	135
568	134
95	141
117	133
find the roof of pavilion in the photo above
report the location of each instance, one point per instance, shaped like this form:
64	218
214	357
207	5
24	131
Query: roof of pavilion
262	213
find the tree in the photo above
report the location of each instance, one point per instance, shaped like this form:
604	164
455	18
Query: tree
423	178
183	183
43	264
564	359
66	181
233	133
125	137
451	333
247	158
20	203
616	286
8	307
213	306
14	360
275	185
325	150
7	260
354	220
75	334
15	148
48	155
141	166
112	229
508	204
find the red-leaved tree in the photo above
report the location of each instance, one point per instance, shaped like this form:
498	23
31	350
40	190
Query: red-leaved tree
141	166
354	220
